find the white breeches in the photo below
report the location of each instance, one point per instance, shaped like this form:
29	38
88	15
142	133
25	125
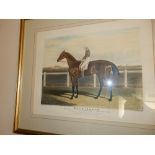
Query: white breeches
84	64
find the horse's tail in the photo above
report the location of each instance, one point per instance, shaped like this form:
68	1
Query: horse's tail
115	70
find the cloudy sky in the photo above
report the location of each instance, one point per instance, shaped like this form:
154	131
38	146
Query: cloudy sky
119	46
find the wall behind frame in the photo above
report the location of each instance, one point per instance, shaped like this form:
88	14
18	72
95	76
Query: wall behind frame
9	45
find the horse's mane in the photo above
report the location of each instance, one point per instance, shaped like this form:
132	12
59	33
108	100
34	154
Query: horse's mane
69	56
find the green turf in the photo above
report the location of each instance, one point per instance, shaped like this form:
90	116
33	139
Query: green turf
61	96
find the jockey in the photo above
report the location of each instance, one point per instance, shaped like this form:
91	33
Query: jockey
85	61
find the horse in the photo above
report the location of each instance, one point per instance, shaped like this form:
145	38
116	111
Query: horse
102	68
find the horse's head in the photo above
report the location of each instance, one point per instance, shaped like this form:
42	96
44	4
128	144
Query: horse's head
62	56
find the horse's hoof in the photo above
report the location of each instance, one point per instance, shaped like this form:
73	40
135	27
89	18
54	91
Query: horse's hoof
110	99
96	97
76	96
71	98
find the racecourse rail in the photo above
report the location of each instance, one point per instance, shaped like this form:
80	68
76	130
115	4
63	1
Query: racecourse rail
63	71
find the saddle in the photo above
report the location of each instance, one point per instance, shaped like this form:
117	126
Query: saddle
90	69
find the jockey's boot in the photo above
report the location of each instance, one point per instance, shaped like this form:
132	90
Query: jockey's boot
82	73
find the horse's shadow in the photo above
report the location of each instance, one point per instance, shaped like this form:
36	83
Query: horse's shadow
64	94
88	94
67	93
48	99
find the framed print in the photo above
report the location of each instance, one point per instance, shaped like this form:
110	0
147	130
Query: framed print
85	77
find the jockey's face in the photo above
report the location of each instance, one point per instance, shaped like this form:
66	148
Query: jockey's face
87	52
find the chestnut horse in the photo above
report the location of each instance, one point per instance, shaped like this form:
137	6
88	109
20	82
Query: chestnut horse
102	68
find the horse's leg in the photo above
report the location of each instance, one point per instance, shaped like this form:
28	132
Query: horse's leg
110	88
110	91
76	87
72	91
73	87
101	86
76	91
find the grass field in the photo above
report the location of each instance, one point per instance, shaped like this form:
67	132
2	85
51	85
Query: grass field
61	96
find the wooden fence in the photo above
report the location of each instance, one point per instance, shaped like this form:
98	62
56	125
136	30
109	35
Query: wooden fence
125	71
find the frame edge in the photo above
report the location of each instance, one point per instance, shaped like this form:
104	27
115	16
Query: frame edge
19	76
